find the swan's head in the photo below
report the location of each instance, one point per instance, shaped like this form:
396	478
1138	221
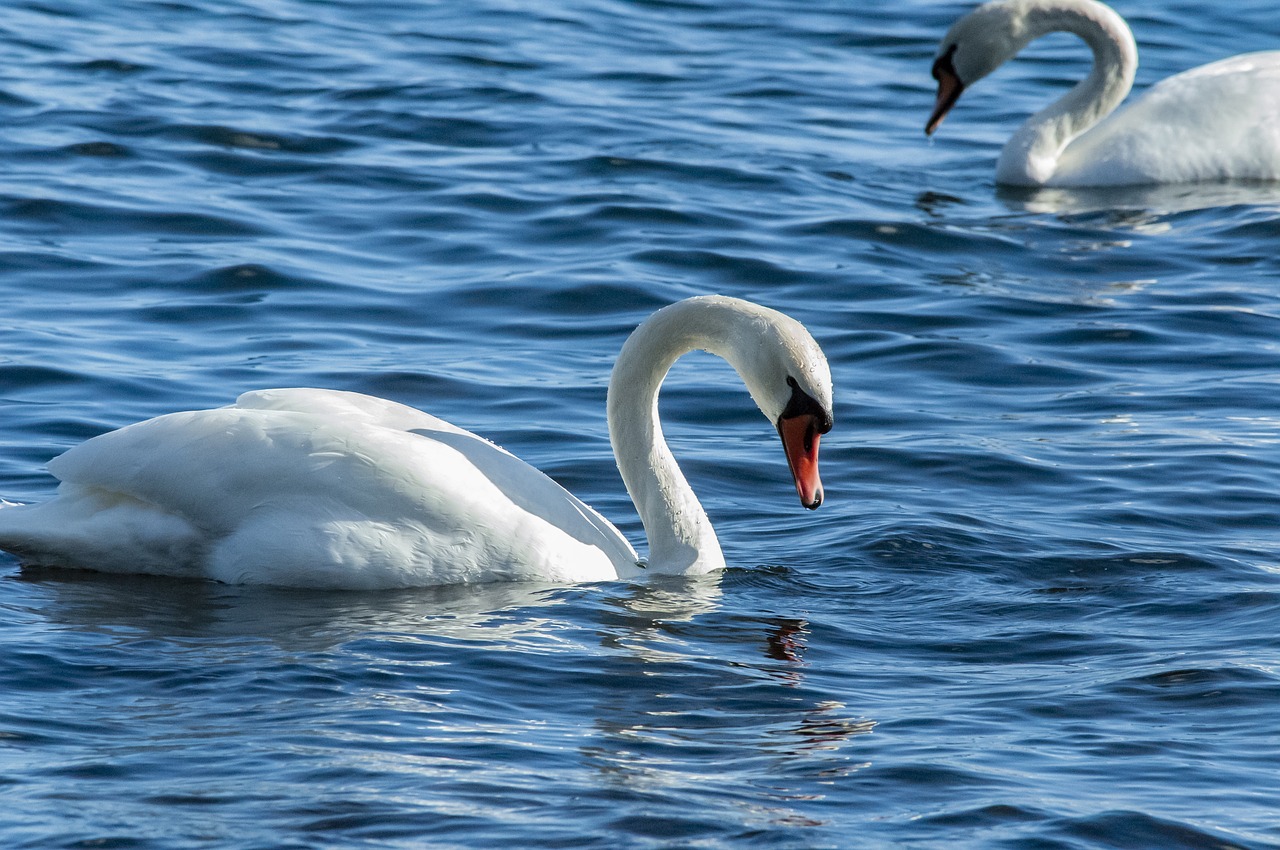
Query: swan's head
788	376
976	45
784	370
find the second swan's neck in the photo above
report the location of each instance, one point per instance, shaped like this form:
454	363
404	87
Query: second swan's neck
681	539
1031	156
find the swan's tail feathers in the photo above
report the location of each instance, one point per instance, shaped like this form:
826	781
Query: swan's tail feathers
98	531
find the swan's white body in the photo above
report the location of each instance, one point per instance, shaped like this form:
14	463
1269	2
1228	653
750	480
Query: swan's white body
1220	121
317	488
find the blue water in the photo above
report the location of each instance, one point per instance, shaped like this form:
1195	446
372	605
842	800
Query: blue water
1040	608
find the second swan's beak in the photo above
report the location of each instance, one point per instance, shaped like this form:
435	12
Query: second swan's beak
800	436
949	90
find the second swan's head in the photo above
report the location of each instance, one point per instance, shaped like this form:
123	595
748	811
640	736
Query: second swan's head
976	45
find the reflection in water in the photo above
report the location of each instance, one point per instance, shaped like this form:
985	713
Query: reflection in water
298	620
822	728
1140	207
679	691
498	613
672	598
937	204
821	725
665	719
787	640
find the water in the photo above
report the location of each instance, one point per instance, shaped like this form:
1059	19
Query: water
1040	609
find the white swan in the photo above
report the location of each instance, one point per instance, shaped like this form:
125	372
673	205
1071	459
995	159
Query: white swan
317	488
1216	122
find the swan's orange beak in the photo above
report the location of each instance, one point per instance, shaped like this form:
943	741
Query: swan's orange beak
949	90
800	436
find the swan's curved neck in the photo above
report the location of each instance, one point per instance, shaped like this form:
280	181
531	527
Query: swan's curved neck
1031	156
681	539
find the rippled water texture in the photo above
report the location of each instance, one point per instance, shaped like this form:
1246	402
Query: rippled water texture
1040	608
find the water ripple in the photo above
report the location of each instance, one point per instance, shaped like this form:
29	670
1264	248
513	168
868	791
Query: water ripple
1038	607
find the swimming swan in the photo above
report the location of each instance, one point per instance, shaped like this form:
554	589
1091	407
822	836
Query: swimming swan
319	488
1219	121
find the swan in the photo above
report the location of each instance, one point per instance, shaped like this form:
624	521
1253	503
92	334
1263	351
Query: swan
1216	122
330	489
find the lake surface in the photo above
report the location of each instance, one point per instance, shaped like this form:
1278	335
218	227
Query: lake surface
1039	609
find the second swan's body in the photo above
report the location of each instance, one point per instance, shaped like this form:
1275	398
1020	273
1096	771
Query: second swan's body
1217	122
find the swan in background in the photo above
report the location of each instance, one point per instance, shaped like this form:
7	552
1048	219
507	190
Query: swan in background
320	488
1216	122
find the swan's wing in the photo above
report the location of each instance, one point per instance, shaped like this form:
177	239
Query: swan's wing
527	488
347	406
1218	121
316	488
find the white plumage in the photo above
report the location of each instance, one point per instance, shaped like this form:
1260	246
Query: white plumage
319	488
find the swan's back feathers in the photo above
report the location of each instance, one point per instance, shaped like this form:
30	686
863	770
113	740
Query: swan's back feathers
1216	122
317	488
